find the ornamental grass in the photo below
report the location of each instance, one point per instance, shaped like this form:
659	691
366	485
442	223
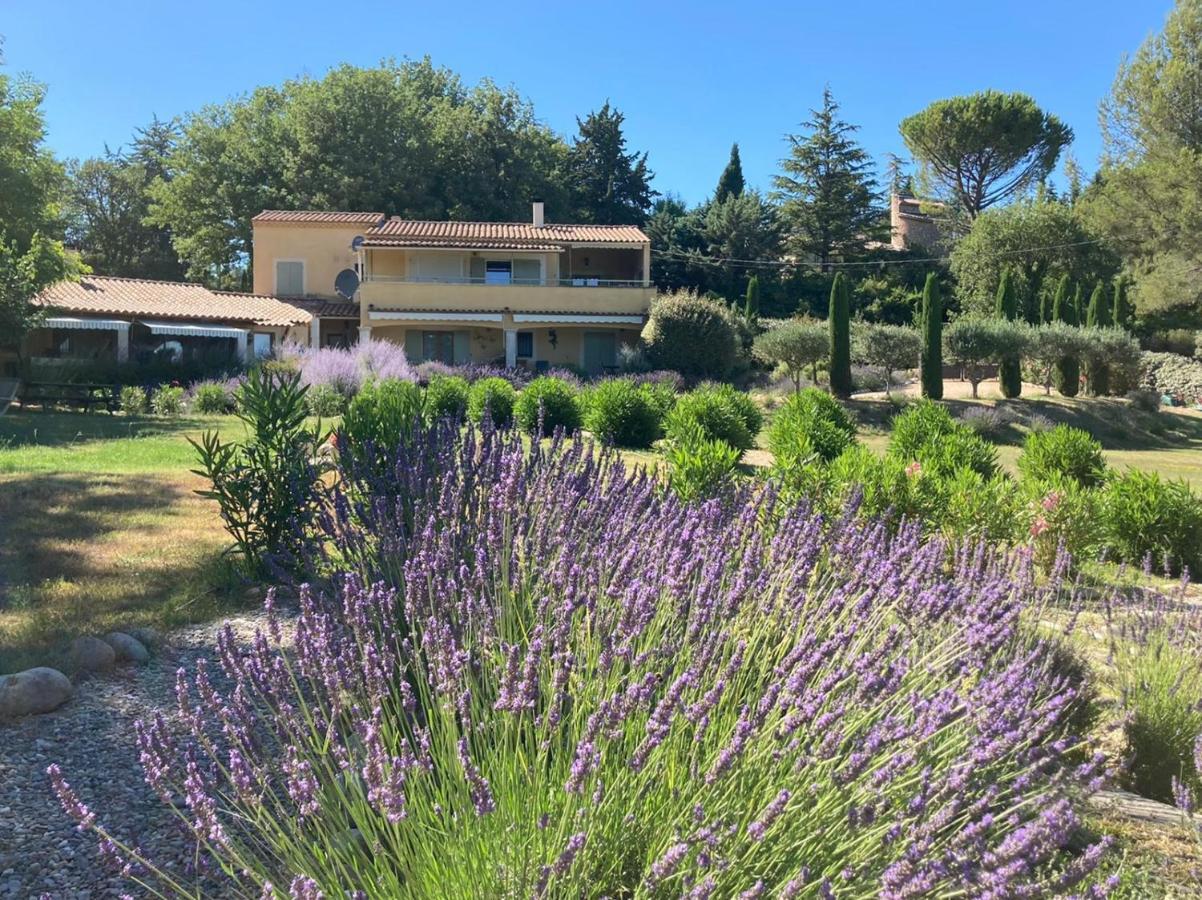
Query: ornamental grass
532	672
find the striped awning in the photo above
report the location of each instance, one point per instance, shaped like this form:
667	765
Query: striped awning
186	330
85	324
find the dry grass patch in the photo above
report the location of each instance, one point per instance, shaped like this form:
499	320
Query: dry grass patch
88	553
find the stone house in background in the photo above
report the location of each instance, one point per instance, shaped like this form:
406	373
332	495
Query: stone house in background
914	222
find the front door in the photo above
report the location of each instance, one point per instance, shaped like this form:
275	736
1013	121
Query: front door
600	351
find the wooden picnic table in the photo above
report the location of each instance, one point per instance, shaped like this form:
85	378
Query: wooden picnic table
85	397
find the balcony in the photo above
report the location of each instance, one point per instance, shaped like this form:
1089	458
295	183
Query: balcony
488	294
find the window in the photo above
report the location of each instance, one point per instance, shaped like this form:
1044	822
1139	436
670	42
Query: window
262	345
289	278
498	271
439	345
527	271
525	344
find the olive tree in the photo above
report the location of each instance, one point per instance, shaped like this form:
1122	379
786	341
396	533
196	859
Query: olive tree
974	343
888	347
794	346
1048	345
1116	353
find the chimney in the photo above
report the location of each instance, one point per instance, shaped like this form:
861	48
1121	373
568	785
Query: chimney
538	213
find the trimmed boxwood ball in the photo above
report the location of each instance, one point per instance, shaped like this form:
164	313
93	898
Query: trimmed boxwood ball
690	335
621	412
495	395
557	400
811	422
719	411
446	397
381	416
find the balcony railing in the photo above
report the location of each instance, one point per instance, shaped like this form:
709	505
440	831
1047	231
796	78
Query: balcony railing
512	282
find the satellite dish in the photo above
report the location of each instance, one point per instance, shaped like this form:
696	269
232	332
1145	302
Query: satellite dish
357	243
346	283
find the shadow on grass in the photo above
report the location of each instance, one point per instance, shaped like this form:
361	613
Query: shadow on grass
1115	423
56	429
86	554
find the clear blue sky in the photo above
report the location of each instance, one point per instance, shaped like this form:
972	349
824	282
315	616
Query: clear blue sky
691	78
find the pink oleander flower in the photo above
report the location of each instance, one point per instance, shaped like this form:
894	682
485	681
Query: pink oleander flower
914	469
1039	526
1052	500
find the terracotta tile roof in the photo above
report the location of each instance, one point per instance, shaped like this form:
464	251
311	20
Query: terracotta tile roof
136	297
332	309
318	217
459	244
455	233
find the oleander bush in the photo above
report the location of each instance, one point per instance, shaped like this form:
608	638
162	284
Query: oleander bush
1060	516
167	400
925	432
212	398
621	412
134	401
1145	516
810	423
447	397
1063	450
550	401
493	395
699	466
547	677
722	413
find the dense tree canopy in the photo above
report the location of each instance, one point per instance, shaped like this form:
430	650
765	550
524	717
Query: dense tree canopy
829	196
983	149
31	188
1039	240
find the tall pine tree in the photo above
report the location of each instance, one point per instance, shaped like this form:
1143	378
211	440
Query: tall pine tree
932	339
611	186
1068	369
730	183
829	197
1010	375
840	325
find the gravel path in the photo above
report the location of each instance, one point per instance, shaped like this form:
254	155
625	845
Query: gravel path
92	738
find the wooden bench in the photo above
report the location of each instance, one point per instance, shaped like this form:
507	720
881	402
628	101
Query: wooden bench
85	397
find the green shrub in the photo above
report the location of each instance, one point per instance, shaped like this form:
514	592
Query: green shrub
1058	513
381	416
495	395
212	399
1161	683
660	394
979	507
325	400
813	419
446	397
698	467
927	433
931	362
619	412
551	397
1063	450
134	401
266	487
1143	515
722	413
691	335
795	346
883	483
167	401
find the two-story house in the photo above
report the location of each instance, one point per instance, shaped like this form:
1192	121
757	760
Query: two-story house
532	294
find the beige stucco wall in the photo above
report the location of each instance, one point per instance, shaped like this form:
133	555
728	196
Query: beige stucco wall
487	344
325	249
385	295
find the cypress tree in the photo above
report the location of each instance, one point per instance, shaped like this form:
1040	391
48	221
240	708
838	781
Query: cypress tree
1059	300
1010	374
1068	369
1099	308
1099	317
1078	305
751	306
840	323
1122	308
932	339
730	182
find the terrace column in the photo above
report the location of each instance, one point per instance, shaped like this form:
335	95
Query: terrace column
123	345
240	346
364	334
315	333
646	265
511	348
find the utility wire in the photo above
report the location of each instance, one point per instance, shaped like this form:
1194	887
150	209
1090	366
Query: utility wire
702	259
